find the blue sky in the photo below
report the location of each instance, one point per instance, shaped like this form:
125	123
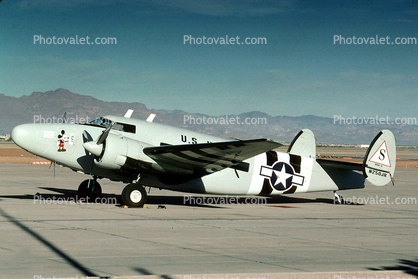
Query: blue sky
299	71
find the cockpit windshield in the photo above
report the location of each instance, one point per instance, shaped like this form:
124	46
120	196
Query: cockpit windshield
101	122
105	123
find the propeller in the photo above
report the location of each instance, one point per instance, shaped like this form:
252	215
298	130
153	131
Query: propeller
96	148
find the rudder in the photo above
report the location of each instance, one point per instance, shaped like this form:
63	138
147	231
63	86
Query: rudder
380	160
303	144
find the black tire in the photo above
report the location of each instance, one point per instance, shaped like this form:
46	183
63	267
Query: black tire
84	192
134	195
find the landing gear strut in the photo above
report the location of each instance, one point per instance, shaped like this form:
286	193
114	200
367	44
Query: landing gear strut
338	199
134	195
92	191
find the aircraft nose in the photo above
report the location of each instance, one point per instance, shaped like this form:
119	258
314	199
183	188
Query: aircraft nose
21	135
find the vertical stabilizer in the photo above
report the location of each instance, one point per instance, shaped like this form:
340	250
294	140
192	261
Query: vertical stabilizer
303	144
380	160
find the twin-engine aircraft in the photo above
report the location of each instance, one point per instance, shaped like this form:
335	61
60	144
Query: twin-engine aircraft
149	154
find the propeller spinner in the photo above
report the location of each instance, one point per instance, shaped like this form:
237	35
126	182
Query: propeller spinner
96	148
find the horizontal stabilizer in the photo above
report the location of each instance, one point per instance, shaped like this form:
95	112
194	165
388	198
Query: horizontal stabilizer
378	165
340	164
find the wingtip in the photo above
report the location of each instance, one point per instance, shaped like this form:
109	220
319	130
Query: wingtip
275	142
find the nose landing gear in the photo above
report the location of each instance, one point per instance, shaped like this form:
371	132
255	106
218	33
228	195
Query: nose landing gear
89	189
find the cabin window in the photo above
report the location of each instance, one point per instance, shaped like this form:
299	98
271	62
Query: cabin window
128	128
118	126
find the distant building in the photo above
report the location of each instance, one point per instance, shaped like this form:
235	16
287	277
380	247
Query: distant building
364	145
5	137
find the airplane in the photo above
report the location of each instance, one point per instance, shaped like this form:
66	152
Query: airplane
143	153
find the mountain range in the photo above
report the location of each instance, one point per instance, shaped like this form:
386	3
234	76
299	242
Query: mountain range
53	104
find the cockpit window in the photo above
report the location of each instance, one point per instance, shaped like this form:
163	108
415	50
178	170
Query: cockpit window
127	128
105	123
102	122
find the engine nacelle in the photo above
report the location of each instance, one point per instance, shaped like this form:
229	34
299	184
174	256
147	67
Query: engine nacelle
126	154
114	152
118	148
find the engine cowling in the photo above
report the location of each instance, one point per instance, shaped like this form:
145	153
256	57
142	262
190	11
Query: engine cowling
116	150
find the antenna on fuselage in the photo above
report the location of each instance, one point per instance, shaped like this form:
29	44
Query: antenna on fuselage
128	114
151	117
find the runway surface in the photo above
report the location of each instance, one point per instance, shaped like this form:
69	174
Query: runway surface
50	235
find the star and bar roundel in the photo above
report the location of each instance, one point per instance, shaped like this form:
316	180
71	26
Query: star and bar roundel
281	175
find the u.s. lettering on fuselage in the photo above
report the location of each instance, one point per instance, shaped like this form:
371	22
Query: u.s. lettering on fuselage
192	140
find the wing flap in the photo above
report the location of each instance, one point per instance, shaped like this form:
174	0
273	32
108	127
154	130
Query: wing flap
210	157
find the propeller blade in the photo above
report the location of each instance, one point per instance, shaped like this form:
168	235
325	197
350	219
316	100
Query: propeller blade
104	135
86	136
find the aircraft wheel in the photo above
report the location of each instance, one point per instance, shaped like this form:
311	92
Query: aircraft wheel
92	192
134	195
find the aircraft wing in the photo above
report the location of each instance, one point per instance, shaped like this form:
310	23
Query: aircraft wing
210	157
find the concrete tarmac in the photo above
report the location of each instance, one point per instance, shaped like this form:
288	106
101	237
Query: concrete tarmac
45	233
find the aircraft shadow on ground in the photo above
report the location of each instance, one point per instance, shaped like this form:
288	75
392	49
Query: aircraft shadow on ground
407	266
143	271
60	253
183	200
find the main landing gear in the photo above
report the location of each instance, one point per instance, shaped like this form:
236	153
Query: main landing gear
133	195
